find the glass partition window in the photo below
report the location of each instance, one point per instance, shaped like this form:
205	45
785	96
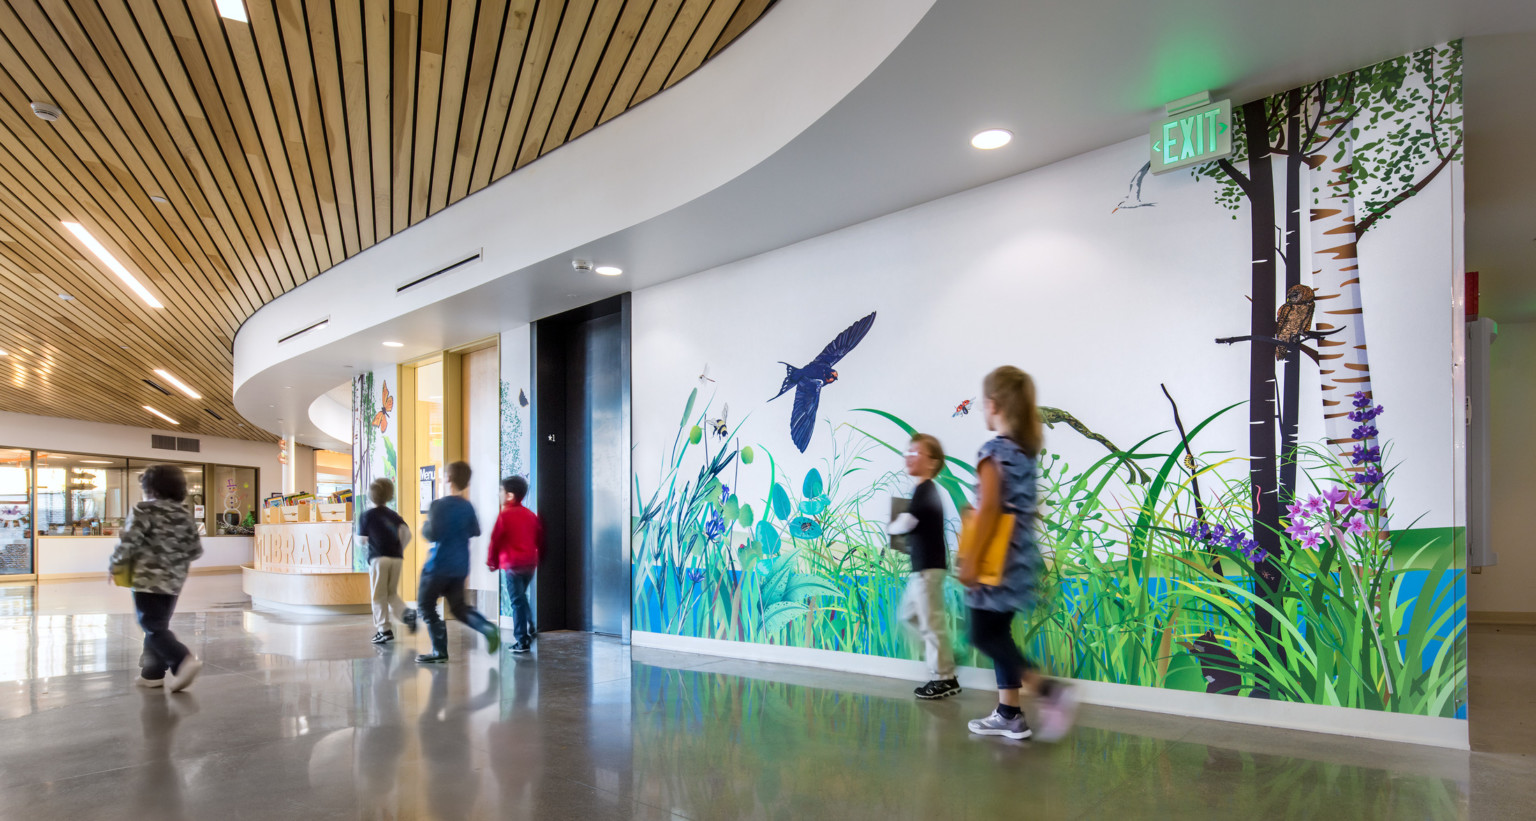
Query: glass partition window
233	495
15	512
80	495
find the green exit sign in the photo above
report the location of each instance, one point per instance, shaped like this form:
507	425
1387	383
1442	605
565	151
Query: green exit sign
1192	136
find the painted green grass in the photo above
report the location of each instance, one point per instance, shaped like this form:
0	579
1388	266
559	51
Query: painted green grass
1374	621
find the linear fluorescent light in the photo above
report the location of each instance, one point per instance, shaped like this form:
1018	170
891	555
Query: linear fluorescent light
234	10
112	264
161	415
179	385
3	353
394	344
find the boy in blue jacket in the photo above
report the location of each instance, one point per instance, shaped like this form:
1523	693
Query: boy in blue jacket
451	523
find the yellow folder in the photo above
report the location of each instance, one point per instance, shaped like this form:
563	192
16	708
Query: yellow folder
991	557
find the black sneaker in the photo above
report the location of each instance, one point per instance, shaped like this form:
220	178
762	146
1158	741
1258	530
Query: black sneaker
410	621
432	658
522	647
934	690
383	637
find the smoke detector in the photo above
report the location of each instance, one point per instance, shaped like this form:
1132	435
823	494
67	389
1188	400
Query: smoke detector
584	265
47	111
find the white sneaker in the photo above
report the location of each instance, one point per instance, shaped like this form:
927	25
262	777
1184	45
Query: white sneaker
1014	728
185	675
1057	712
149	683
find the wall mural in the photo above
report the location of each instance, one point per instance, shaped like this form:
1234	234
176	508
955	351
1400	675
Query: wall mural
516	415
374	434
1281	524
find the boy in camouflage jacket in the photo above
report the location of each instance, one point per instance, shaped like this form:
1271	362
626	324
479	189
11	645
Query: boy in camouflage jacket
158	545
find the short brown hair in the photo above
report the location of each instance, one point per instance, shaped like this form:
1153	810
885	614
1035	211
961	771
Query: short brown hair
381	492
166	482
458	474
931	444
1014	394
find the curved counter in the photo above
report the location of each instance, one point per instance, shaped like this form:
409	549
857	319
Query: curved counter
306	567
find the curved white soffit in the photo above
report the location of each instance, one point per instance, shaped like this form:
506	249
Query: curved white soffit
332	417
797	62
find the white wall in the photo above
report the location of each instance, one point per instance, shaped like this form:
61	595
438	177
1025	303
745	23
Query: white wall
21	430
1510	585
61	555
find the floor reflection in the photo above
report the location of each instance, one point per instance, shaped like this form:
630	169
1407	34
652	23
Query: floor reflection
299	717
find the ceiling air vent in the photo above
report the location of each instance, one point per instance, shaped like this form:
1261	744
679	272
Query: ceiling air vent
210	412
414	281
189	445
159	442
319	323
157	387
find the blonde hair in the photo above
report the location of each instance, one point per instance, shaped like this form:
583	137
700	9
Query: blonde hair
1014	394
931	444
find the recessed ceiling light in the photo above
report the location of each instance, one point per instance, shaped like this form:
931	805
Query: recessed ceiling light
609	270
394	344
161	415
112	264
234	10
179	385
65	297
992	138
156	198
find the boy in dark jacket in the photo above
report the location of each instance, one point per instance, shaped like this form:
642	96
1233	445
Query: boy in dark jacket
451	523
515	543
158	546
386	536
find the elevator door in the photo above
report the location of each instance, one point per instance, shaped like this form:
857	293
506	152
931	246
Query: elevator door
581	423
599	461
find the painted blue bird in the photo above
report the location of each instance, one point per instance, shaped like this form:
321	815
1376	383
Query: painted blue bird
808	381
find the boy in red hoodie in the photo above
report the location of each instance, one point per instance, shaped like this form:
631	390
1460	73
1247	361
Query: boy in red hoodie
514	548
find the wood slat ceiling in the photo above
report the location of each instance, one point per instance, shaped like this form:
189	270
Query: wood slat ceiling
281	146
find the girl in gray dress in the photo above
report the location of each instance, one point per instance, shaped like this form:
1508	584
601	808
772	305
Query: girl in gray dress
1008	475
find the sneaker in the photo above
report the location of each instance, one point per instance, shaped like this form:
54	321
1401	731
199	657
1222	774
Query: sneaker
522	647
995	724
382	637
409	617
184	675
493	640
1057	712
940	688
432	658
149	683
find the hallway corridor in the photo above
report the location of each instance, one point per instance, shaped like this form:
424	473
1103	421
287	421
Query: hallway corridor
304	719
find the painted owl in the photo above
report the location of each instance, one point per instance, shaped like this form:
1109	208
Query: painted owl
1294	317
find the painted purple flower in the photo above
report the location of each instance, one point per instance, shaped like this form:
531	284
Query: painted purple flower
1335	495
1295	511
1355	526
1362	399
1363	454
714	525
1359	501
1310	540
1370	476
1253	552
1366	414
695	576
1364	432
1298	529
1314	505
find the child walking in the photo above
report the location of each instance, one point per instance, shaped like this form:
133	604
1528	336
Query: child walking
158	545
451	523
386	536
1007	474
515	542
922	606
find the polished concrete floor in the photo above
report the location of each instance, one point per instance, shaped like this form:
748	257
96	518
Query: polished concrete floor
302	718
